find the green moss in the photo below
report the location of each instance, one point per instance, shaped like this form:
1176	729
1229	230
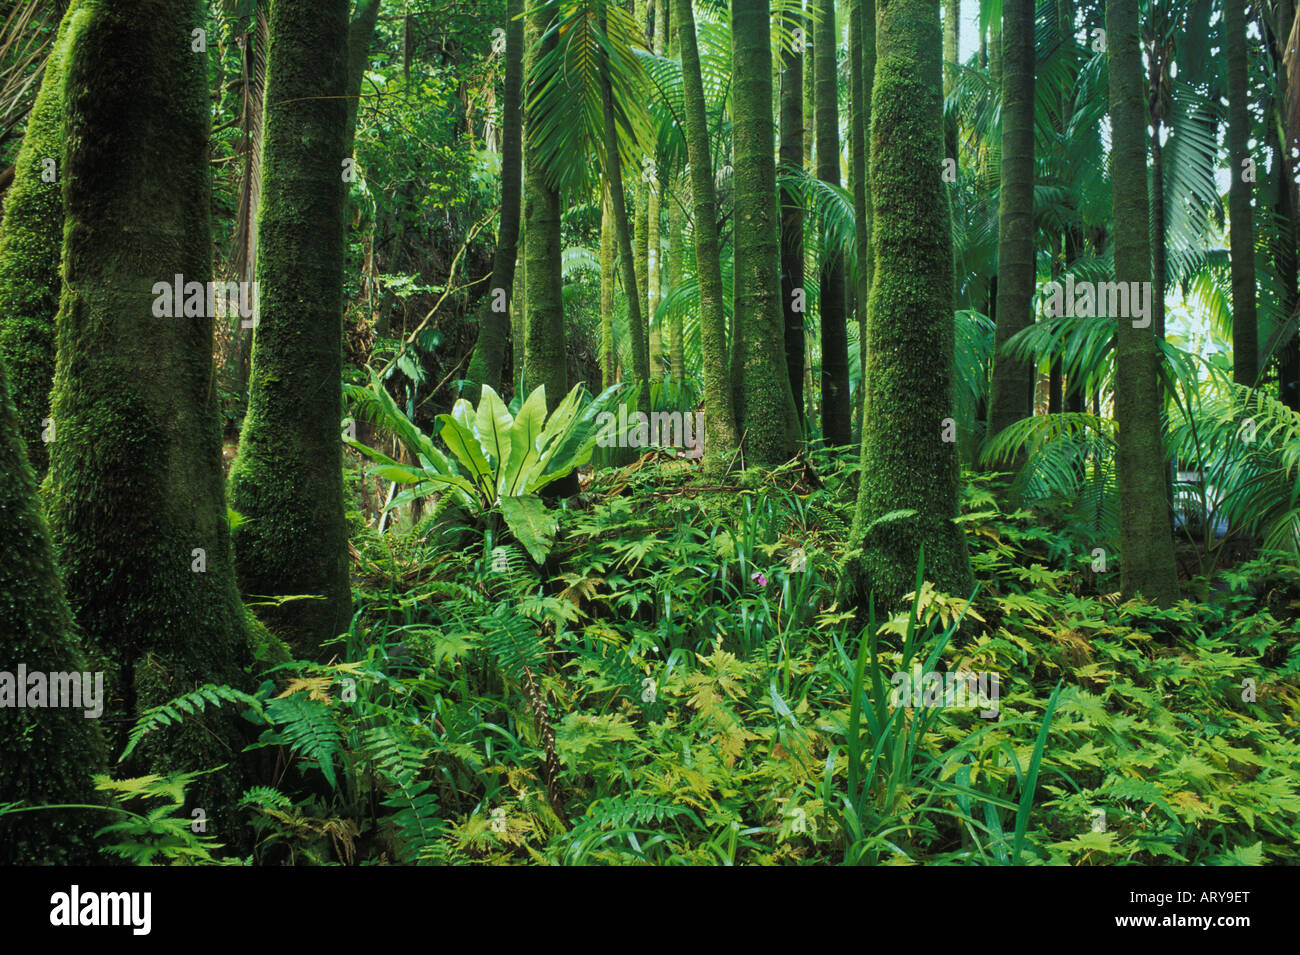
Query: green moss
135	475
906	464
31	240
287	480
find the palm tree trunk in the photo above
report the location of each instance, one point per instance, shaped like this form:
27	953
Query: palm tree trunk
793	295
770	425
1012	384
720	435
631	285
1146	536
545	356
1245	344
608	359
494	321
951	54
836	411
906	464
862	63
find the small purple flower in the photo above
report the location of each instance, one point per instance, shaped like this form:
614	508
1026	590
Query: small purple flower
762	581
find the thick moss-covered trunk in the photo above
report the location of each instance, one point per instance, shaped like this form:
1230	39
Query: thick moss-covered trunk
494	320
1146	537
287	481
794	296
137	510
720	436
1011	391
769	424
862	71
31	241
837	415
907	497
1245	336
50	753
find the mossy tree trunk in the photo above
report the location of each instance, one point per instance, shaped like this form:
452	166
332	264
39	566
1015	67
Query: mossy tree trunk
720	436
1011	390
31	241
1245	335
793	294
1146	536
908	492
287	480
137	510
837	415
494	319
50	752
769	424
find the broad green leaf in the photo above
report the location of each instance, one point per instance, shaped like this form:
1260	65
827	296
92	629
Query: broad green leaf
493	423
524	434
464	444
531	523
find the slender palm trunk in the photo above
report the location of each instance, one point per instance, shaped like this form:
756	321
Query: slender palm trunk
494	322
545	357
907	466
1012	386
720	435
951	54
769	422
676	188
793	294
1245	346
862	62
837	414
622	230
1146	537
608	359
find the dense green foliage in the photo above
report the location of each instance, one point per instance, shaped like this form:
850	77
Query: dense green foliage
667	432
